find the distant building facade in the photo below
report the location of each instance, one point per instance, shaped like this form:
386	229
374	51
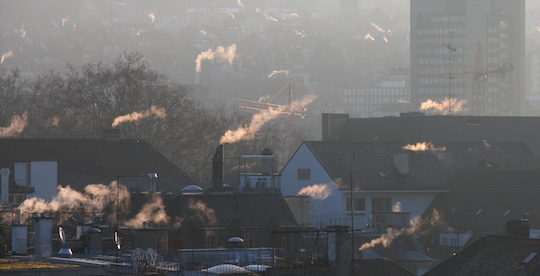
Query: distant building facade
470	50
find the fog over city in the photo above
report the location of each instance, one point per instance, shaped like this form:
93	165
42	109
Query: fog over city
289	126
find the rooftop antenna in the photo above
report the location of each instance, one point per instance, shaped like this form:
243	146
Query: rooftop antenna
451	49
64	251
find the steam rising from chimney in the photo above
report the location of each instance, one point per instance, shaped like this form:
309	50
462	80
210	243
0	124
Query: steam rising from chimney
318	191
418	227
275	72
424	146
267	16
368	36
151	17
446	107
157	112
203	212
17	125
240	4
221	53
262	117
95	199
152	212
5	56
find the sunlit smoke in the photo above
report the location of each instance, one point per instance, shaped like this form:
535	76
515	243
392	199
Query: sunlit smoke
424	146
262	117
65	20
240	4
203	212
22	32
17	125
368	36
276	72
152	212
267	16
379	28
151	17
446	107
228	54
396	207
54	121
5	56
300	34
317	191
294	14
94	199
157	112
418	227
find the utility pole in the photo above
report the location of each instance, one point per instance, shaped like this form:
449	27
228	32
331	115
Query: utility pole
451	49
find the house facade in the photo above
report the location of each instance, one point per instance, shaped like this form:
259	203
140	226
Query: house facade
390	185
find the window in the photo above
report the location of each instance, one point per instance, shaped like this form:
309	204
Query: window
381	204
304	174
359	204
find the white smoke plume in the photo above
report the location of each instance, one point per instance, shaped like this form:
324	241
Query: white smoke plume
276	72
368	36
152	17
203	212
379	28
17	125
240	4
396	207
446	107
228	54
152	212
418	227
22	32
423	146
262	117
267	16
294	14
318	191
5	56
157	112
300	34
94	199
65	20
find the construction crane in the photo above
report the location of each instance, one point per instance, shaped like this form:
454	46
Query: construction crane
279	108
480	79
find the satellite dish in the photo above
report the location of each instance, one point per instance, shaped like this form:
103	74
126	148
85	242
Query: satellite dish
117	240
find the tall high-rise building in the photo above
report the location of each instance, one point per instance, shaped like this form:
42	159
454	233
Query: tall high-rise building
472	50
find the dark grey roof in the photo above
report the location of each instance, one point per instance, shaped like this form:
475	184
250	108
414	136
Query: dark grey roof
380	267
484	200
230	209
493	255
373	166
87	161
442	128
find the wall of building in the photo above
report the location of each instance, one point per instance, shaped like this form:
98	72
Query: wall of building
332	209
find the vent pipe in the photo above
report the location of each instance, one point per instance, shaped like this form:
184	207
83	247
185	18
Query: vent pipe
5	172
218	168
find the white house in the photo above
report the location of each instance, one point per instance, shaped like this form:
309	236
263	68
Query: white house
390	185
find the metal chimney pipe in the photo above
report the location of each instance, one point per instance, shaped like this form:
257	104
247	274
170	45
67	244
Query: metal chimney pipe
5	172
218	162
